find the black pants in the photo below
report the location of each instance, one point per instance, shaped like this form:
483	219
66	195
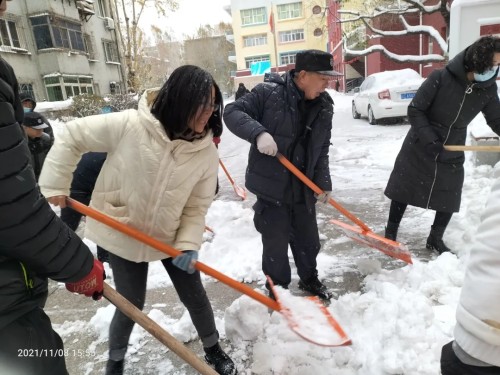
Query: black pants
72	218
281	226
30	346
397	210
451	365
130	280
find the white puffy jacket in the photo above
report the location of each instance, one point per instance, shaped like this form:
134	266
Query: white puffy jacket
478	314
159	186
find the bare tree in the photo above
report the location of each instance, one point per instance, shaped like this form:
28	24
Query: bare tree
210	49
368	24
129	14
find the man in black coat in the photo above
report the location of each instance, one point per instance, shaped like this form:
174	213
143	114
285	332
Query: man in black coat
242	90
293	115
425	175
34	245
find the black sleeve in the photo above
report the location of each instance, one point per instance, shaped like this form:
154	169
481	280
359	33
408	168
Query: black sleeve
30	231
417	109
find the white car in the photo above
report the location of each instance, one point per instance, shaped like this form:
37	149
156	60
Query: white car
385	95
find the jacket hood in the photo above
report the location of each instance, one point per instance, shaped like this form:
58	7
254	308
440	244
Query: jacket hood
156	129
456	67
23	97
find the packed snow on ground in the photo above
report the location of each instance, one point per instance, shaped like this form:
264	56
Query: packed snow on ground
397	324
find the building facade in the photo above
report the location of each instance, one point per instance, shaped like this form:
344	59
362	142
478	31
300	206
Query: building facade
272	32
62	48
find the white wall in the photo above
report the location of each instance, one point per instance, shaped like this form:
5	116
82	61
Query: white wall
467	17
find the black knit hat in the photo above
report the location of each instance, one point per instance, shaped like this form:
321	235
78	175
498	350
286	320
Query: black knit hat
314	60
34	120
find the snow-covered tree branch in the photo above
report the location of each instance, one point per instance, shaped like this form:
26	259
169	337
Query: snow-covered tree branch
395	10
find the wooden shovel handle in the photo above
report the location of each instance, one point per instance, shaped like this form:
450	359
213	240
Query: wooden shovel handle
127	308
169	250
301	176
472	148
226	172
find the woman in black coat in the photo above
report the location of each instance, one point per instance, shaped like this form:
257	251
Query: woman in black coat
425	175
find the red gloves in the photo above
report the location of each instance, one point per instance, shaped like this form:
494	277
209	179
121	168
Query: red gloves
91	285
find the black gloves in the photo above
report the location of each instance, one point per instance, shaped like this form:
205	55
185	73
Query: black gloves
434	148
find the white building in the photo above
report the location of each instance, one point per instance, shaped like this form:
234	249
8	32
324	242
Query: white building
62	48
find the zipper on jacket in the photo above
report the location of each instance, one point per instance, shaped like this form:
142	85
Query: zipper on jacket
28	281
468	90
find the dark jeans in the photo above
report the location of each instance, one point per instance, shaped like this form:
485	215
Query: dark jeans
281	226
130	280
72	219
451	365
31	346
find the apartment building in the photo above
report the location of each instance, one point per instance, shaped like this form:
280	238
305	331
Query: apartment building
273	32
62	48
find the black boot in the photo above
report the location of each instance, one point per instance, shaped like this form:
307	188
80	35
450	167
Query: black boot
315	287
391	230
220	361
114	367
435	240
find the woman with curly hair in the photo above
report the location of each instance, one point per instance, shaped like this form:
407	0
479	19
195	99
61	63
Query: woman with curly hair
159	176
425	175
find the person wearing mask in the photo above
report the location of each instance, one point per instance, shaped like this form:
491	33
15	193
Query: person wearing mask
159	177
425	174
242	90
476	347
40	139
34	245
291	114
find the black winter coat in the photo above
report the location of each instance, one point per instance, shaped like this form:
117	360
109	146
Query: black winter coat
40	147
34	243
242	90
278	107
441	110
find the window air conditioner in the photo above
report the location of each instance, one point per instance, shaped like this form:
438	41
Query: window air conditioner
109	23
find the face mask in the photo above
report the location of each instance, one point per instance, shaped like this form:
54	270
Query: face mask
27	110
486	75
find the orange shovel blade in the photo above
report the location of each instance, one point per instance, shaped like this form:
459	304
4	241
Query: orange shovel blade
310	319
392	248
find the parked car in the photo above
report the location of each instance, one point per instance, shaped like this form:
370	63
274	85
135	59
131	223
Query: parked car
385	95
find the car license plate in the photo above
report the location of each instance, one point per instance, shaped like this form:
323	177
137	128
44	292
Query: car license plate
407	95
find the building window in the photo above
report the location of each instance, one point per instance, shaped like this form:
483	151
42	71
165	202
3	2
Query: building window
53	32
291	35
89	46
63	87
430	48
287	58
253	16
250	60
26	88
100	8
291	10
255	40
110	51
8	34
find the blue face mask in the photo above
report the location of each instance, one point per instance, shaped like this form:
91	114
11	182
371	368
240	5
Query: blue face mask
486	75
27	110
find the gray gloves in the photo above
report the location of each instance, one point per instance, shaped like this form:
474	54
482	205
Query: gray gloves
186	261
324	197
266	144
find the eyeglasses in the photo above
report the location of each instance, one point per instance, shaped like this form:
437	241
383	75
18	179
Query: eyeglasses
210	108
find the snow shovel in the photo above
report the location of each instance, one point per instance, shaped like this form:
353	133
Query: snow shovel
240	191
362	233
127	308
333	335
472	148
